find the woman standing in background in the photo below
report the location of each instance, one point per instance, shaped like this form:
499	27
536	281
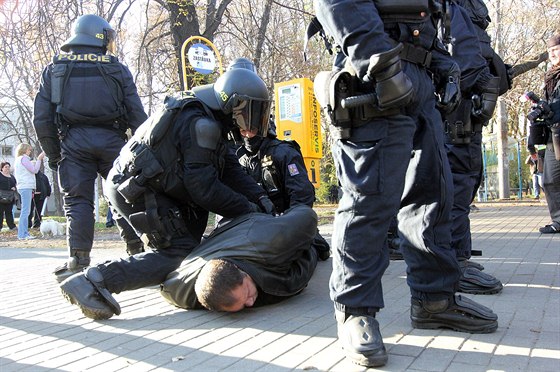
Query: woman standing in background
7	183
25	171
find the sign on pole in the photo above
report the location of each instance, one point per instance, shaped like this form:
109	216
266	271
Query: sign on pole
201	56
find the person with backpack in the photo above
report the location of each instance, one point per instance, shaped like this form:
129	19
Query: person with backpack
176	169
86	102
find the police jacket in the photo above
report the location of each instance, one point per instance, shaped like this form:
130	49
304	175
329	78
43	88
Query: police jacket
196	166
279	258
97	86
279	168
364	28
467	52
478	13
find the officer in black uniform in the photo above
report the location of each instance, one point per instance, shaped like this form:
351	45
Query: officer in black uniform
171	173
86	101
387	161
480	89
279	168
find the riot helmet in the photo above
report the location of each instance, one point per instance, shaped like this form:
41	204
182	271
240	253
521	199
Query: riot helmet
242	62
91	30
242	94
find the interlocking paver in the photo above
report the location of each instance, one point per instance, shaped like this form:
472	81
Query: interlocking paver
39	330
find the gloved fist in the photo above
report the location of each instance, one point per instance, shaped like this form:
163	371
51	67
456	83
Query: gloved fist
53	164
267	206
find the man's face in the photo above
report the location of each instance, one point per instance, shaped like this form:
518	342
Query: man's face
554	55
245	294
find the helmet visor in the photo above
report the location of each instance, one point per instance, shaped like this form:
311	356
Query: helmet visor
111	41
251	114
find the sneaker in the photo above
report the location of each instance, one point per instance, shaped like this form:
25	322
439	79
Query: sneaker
28	237
456	312
549	229
361	339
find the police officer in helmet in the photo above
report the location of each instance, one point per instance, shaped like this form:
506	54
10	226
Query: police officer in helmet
390	158
174	171
86	102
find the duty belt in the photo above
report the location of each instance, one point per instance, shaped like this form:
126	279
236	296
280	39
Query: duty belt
416	55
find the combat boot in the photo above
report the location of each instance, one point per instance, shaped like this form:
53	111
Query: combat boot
361	339
87	291
474	281
465	262
79	260
456	312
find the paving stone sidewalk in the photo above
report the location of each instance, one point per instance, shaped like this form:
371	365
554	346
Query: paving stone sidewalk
40	331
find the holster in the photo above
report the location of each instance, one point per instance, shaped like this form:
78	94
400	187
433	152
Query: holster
330	88
458	125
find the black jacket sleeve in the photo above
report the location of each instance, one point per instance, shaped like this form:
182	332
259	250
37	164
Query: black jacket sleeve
43	118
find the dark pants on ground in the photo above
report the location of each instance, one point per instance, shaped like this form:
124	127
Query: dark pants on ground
551	183
86	152
7	210
466	167
389	165
150	268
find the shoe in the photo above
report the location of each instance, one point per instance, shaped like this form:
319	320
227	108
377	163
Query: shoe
394	243
361	339
87	291
64	272
28	237
463	263
474	281
549	229
109	224
457	313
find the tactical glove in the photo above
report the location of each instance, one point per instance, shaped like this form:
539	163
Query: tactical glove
267	206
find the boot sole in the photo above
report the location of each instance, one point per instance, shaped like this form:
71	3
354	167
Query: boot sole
92	313
363	360
435	325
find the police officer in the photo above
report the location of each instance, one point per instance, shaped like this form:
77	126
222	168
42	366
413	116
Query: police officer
86	101
279	168
171	173
390	159
480	89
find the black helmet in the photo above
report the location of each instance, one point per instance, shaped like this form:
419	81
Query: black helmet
241	93
91	30
242	62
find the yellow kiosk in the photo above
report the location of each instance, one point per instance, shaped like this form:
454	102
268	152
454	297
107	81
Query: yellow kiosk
298	117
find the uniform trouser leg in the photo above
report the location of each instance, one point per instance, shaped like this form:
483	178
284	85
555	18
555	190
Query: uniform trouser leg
371	168
149	268
466	163
425	214
77	179
551	183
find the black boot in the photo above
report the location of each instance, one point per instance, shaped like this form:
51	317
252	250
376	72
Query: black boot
465	262
457	313
474	281
361	339
87	291
79	260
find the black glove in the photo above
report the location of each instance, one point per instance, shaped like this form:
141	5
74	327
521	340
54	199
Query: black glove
267	206
510	74
53	164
